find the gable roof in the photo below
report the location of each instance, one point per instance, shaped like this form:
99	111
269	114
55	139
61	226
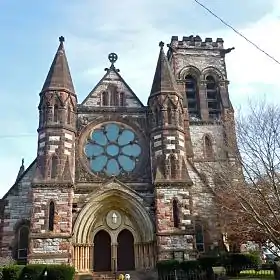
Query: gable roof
20	178
116	72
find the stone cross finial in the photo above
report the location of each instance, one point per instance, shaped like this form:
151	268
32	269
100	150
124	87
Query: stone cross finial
113	57
61	39
161	44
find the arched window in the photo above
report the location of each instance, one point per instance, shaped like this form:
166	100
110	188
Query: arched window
122	101
43	115
54	167
55	111
169	115
213	98
192	97
51	215
69	113
176	213
208	147
199	237
156	115
105	99
173	171
23	242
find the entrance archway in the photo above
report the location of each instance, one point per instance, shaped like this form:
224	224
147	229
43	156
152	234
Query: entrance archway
102	251
125	255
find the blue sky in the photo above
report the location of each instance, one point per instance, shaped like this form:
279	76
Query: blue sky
29	38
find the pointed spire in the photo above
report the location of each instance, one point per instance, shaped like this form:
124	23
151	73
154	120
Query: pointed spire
21	170
164	79
59	74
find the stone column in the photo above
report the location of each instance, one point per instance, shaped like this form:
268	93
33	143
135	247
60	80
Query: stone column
145	255
114	254
203	101
76	257
80	258
91	257
136	255
83	258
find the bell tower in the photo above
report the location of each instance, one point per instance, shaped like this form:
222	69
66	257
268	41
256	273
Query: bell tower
169	162
52	187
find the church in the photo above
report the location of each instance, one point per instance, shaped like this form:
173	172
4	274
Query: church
118	185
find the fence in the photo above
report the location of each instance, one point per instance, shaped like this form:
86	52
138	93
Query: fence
229	272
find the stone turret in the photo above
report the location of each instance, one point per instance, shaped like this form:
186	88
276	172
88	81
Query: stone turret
54	176
169	161
168	137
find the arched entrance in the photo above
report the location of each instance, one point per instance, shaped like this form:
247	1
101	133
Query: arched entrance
102	251
125	255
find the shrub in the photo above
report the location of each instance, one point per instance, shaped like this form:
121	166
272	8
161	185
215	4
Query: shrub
190	265
11	272
167	265
244	260
60	272
32	271
209	261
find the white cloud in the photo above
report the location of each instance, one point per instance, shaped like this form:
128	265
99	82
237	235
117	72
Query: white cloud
135	38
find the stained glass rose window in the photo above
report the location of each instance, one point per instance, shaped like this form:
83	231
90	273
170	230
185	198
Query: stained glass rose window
112	149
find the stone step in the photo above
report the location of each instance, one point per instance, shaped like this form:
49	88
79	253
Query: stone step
109	275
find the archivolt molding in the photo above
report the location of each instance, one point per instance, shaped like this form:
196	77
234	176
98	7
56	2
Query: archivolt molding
216	73
190	70
121	198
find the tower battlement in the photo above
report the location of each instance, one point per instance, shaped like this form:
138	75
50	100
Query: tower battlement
194	42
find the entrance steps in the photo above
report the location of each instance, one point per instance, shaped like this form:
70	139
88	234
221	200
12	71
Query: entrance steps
147	274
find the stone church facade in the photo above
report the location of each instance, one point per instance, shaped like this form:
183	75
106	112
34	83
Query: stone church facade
117	185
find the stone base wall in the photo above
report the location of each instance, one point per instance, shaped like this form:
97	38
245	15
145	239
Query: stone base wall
169	238
47	244
16	208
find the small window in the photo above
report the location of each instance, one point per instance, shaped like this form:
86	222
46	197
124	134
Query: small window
43	115
23	242
192	96
199	237
114	98
54	167
55	112
69	113
156	116
208	147
213	98
122	101
105	99
169	115
51	215
173	169
176	213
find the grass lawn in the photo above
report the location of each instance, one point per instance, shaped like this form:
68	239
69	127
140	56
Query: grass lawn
253	274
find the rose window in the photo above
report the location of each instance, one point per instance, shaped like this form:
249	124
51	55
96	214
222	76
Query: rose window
112	150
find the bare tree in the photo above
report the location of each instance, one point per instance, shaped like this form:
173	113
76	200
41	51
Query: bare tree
247	185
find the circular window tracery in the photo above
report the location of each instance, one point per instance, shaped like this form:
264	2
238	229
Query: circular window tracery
112	150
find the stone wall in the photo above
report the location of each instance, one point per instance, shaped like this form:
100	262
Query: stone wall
169	238
214	132
51	244
94	98
17	205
